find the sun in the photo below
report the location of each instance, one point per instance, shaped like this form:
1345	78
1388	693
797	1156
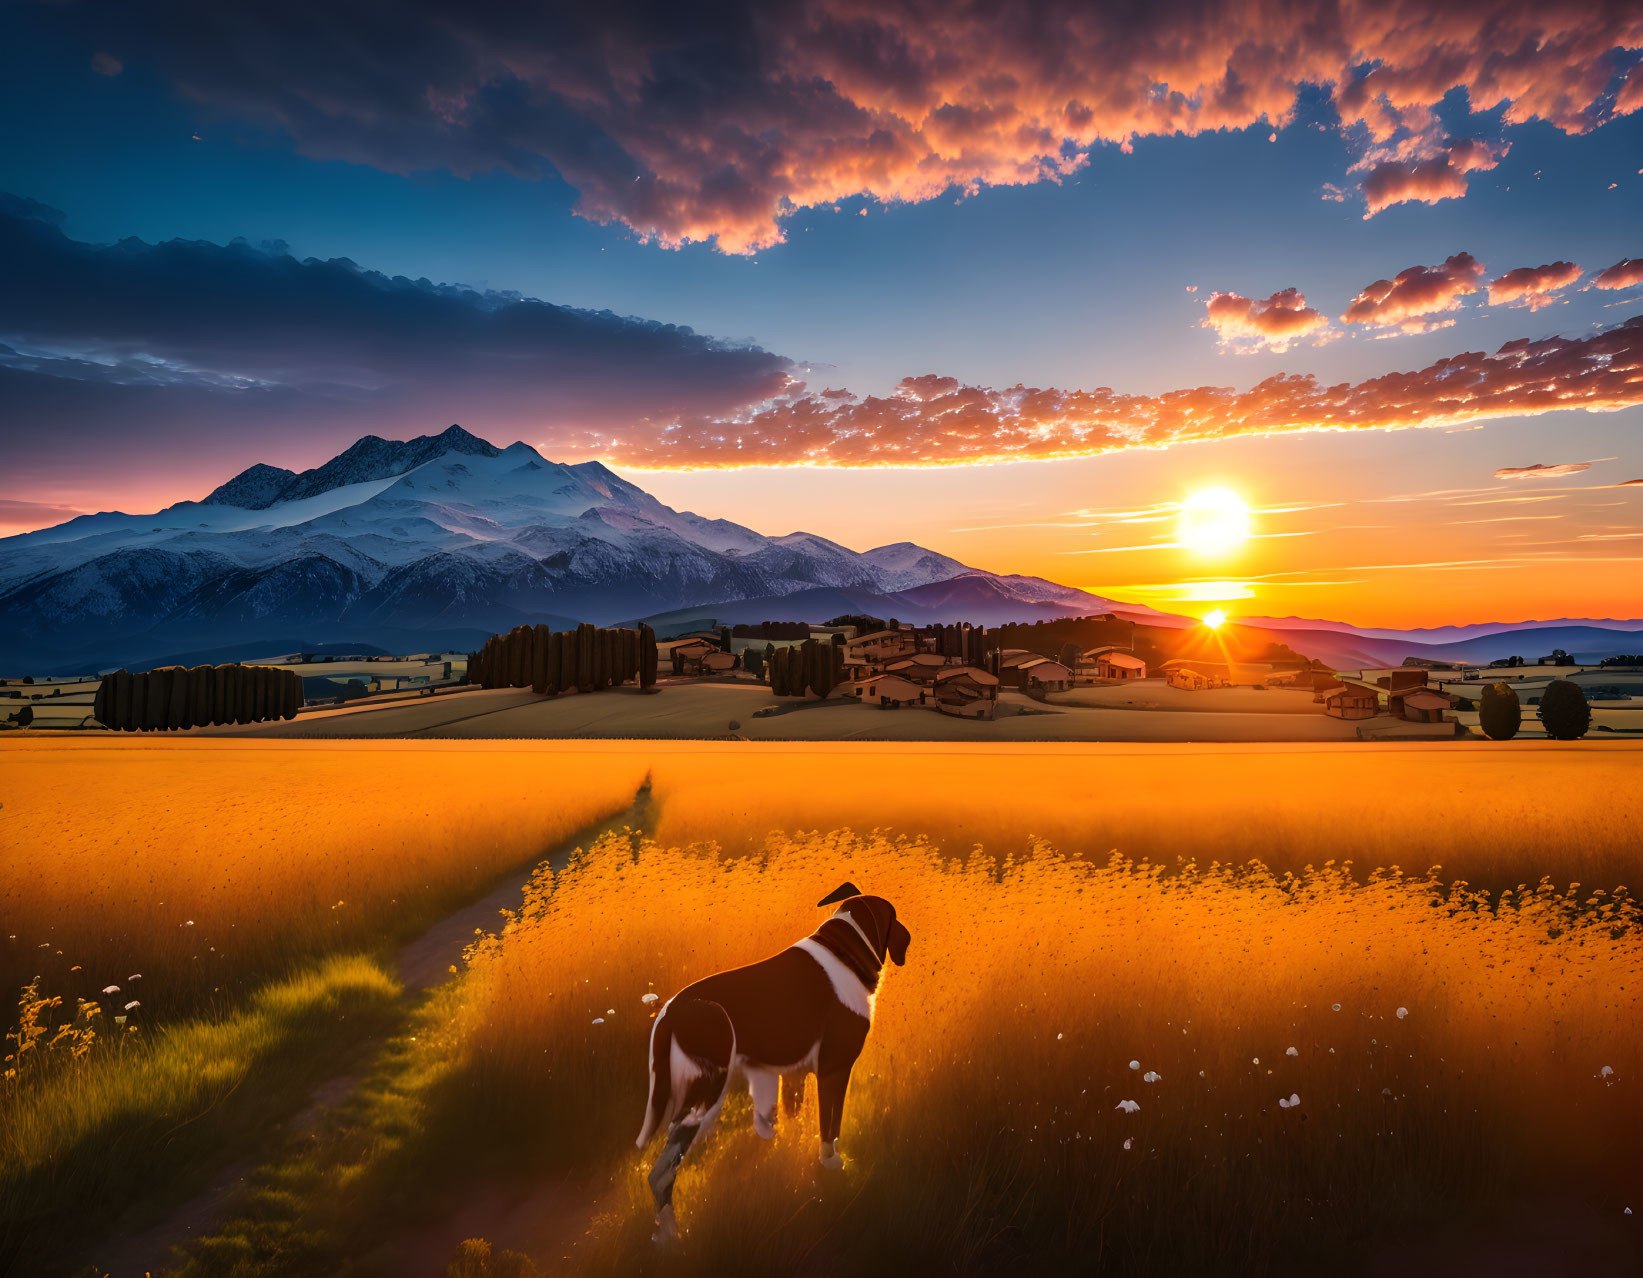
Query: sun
1214	521
1215	618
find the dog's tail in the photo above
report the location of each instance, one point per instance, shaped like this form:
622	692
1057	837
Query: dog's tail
692	1044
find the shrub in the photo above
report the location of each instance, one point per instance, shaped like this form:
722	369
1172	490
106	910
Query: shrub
1499	714
1563	710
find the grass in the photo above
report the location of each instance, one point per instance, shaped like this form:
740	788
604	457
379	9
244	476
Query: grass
982	1125
147	1112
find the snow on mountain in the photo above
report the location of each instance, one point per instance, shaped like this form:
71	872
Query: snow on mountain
443	533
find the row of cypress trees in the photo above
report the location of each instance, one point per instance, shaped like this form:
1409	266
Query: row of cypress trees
553	661
962	642
193	697
811	666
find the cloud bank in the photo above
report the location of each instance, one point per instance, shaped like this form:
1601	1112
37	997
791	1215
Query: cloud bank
938	420
690	123
1623	274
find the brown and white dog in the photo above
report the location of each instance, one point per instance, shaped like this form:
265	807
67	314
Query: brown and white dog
804	1011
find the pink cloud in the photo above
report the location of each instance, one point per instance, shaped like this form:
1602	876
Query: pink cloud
1539	471
688	125
1274	324
1427	178
1405	302
1533	286
939	421
1623	274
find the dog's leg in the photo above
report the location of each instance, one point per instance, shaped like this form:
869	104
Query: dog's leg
831	1086
792	1094
762	1085
700	1061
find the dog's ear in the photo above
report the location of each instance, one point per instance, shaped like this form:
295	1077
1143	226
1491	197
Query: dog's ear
843	892
900	937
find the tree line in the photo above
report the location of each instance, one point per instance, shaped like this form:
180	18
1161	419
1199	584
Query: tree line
549	662
194	697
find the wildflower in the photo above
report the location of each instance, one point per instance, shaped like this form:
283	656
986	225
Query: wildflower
1606	1072
1135	1064
1128	1106
135	976
1256	1061
610	1011
648	999
1291	1103
598	1020
133	1005
1151	1076
1129	1143
1402	1012
111	989
1290	1051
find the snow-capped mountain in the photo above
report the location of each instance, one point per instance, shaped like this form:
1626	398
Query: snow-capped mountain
432	542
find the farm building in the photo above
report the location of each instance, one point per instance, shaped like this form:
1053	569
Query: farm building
888	691
1120	665
1042	672
1351	701
879	646
1420	704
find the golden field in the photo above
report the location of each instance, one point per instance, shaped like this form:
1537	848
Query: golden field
1446	1052
196	867
982	1132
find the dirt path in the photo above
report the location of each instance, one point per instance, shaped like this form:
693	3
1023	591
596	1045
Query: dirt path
420	965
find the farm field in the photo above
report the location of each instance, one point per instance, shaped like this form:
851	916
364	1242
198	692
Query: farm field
1461	1049
705	710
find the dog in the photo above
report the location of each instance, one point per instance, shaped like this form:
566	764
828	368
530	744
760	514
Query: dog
803	1011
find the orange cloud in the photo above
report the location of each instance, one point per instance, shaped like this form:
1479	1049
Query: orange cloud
1623	274
690	124
1532	286
939	421
1275	324
1406	302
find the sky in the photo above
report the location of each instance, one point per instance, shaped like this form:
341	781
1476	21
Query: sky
1015	282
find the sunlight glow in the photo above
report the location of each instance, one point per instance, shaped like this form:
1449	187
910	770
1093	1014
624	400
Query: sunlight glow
1214	521
1214	618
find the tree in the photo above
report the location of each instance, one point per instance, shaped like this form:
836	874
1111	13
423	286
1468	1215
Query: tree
1563	710
1499	714
1621	659
1507	662
1559	658
753	662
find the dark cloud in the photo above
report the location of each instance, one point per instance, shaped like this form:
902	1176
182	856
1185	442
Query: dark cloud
239	318
698	122
935	421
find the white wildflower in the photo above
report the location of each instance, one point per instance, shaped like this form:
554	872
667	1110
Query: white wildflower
1151	1076
598	1020
1402	1012
1291	1103
1128	1106
133	1004
648	999
1135	1064
1335	1007
1290	1051
1606	1072
1129	1143
111	989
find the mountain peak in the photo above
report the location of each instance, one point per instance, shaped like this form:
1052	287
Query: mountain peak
255	488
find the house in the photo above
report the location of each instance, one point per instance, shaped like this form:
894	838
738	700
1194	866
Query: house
1402	679
1420	704
967	681
1323	683
921	667
1119	664
879	646
1045	673
1351	701
887	691
685	656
